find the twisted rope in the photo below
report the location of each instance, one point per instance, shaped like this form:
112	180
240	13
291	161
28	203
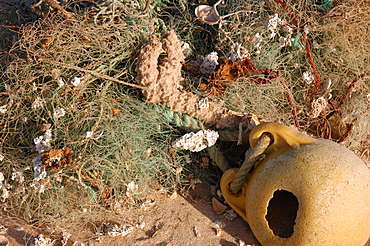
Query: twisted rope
218	158
182	120
253	155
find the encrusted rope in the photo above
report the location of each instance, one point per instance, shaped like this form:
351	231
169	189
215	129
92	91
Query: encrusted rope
182	120
192	124
252	156
217	156
186	121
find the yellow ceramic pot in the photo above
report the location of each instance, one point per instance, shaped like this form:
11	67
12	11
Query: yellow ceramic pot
306	191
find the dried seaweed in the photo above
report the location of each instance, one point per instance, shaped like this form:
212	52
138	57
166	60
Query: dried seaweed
56	159
231	71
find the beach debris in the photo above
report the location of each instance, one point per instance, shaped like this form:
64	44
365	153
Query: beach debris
192	181
4	187
219	193
43	142
115	110
132	189
208	14
56	159
89	134
58	112
65	238
148	203
121	230
17	176
203	103
308	76
238	53
230	71
42	145
196	142
3	229
242	243
147	152
75	81
286	41
219	223
217	231
174	195
41	240
37	103
196	231
60	82
326	85
3	109
140	225
218	207
177	170
230	215
4	241
317	106
272	24
163	75
38	169
78	243
209	64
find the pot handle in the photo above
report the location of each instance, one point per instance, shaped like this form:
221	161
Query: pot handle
282	136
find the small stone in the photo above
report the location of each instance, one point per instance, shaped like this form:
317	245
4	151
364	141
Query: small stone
230	215
219	224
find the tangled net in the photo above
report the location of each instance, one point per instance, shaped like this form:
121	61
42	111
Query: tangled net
71	88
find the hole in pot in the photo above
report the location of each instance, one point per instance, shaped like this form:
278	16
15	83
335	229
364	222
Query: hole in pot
282	212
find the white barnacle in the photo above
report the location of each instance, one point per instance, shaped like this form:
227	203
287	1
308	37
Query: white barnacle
58	112
308	76
209	64
43	142
317	106
37	103
60	82
3	109
272	24
238	53
75	81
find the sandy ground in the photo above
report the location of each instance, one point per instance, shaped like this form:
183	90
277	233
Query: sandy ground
169	220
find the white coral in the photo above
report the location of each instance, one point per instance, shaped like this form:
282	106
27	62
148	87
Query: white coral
122	230
196	142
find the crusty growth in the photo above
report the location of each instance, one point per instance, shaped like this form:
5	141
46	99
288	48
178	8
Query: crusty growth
165	80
